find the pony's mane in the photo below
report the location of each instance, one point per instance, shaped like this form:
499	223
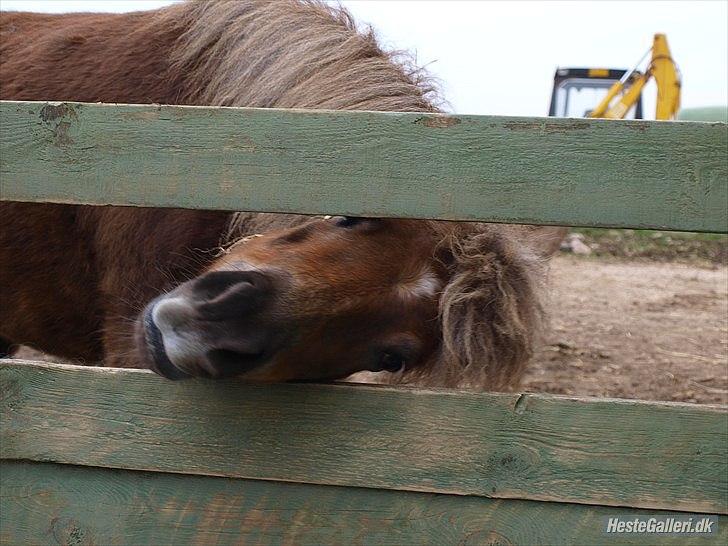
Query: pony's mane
290	54
307	54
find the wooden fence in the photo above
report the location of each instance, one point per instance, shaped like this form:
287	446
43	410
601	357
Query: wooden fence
104	456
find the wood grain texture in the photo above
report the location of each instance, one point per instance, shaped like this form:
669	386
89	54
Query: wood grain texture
63	504
663	175
592	451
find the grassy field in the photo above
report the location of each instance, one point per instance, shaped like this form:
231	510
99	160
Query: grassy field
672	246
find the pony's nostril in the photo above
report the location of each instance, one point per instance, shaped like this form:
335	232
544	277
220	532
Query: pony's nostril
216	283
223	295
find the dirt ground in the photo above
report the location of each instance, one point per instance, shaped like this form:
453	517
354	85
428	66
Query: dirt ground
635	329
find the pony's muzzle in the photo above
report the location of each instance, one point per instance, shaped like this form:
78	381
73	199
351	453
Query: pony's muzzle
155	345
209	327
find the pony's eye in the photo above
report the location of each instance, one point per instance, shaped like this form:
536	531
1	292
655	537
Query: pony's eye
358	222
347	221
391	362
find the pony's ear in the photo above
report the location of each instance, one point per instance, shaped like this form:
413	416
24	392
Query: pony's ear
491	311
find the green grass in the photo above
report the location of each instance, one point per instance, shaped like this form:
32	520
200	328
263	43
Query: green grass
657	245
649	233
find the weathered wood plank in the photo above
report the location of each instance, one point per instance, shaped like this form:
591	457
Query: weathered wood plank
526	170
593	451
62	504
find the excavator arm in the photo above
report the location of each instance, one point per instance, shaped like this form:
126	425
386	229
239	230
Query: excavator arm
625	93
629	94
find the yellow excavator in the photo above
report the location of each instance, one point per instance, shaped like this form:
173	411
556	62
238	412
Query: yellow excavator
577	89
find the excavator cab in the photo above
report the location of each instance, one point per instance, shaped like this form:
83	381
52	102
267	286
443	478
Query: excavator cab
577	90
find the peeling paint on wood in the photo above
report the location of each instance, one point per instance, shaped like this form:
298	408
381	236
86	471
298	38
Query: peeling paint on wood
438	121
560	126
526	446
662	175
55	111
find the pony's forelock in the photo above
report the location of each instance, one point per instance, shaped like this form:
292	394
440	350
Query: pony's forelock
491	311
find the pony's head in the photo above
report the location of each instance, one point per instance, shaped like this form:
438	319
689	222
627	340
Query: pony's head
453	304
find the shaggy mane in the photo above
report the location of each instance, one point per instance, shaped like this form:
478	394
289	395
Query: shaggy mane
291	54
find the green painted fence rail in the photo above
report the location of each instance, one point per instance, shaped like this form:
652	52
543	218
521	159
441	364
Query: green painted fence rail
582	172
527	446
65	504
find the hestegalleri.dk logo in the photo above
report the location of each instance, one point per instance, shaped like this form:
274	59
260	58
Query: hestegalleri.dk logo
662	525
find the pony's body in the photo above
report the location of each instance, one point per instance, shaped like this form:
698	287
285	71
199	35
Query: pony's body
75	279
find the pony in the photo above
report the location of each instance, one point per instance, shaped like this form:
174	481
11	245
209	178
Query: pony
262	297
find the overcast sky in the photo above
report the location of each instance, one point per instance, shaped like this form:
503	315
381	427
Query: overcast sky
495	57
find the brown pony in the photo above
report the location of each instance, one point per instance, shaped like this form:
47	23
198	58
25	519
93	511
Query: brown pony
268	297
